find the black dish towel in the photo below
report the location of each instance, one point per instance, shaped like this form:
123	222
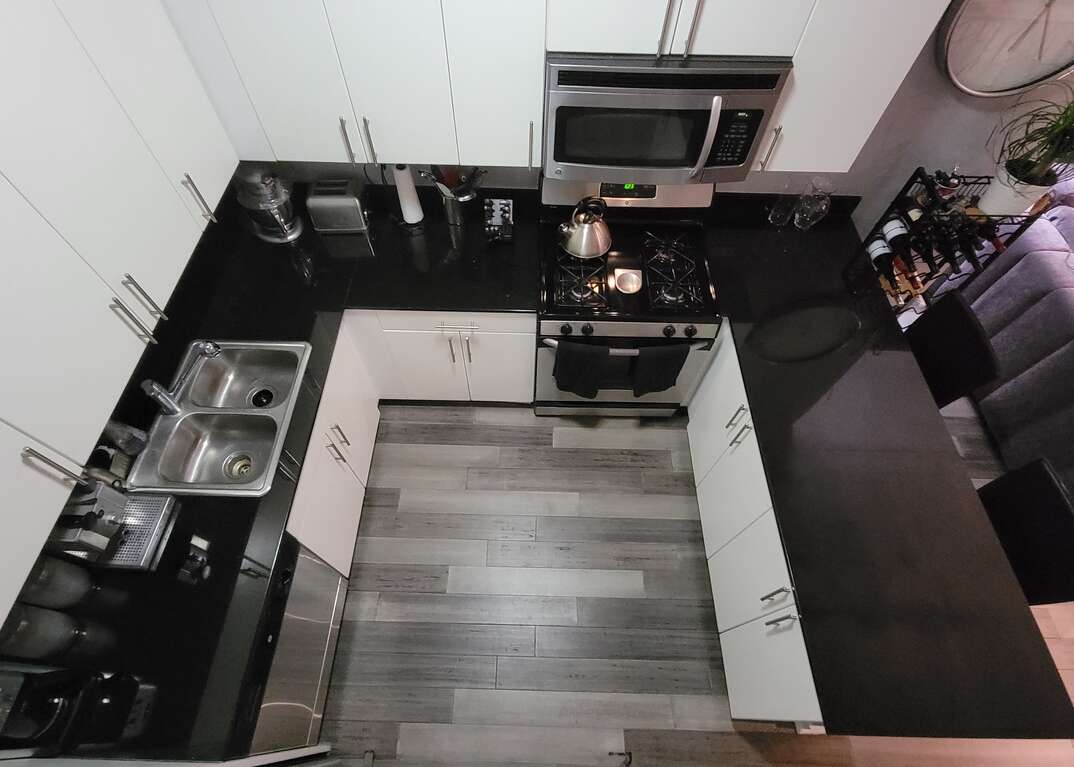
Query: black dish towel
657	367
579	368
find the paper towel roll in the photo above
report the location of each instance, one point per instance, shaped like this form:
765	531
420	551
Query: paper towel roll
408	195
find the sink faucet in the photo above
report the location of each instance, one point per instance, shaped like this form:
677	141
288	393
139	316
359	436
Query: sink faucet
166	397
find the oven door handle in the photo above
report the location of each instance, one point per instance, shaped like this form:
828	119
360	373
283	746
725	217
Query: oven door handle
710	136
552	343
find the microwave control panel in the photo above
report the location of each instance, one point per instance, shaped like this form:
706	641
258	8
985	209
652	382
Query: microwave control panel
735	136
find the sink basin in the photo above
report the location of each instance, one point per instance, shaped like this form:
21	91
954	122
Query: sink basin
234	410
242	378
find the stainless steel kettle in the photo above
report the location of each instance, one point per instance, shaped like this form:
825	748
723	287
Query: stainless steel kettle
586	235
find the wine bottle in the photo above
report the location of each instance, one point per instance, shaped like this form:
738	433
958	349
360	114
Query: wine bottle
898	237
883	261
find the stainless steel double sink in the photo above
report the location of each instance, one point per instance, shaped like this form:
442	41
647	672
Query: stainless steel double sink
234	410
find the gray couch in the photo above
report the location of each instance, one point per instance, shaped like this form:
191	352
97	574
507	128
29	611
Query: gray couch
1025	301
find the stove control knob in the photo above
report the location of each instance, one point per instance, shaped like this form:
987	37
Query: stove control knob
566	329
690	331
587	329
669	330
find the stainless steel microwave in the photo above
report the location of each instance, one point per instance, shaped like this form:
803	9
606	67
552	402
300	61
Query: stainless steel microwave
632	119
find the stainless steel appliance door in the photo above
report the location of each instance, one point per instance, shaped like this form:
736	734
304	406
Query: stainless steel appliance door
618	389
293	702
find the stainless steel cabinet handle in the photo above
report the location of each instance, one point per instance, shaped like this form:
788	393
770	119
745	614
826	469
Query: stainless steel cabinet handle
134	318
369	140
529	153
469	355
342	437
664	30
444	326
346	138
129	280
29	452
693	28
451	348
772	147
741	435
735	418
290	457
773	594
206	211
287	472
781	619
336	452
710	135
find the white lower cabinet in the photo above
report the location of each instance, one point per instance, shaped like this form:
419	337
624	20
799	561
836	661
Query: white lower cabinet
767	670
749	575
734	492
499	366
429	364
348	410
34	493
719	406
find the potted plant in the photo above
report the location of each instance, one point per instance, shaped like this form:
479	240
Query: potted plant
1034	151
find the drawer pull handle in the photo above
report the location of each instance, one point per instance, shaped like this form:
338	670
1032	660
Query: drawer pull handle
781	619
773	594
336	452
29	452
342	437
746	429
736	417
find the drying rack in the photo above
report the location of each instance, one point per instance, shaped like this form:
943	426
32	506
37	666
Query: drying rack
860	277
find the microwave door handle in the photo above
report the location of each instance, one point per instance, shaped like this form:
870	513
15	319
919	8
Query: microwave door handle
710	136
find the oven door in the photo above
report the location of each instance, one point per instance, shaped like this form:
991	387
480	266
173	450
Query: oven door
616	389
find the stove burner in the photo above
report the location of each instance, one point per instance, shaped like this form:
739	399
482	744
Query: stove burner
581	292
671	293
663	250
672	273
581	282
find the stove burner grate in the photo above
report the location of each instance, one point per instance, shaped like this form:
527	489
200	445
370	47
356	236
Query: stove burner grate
581	282
672	273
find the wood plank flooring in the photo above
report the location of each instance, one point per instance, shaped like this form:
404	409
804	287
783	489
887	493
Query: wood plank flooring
533	591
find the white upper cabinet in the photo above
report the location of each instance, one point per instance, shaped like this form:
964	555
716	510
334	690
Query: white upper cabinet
287	59
611	26
737	28
395	62
852	58
75	351
133	44
496	58
69	147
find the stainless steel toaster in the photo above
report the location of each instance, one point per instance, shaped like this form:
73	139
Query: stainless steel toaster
334	207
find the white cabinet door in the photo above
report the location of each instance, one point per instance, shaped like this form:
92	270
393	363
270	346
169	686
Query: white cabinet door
768	672
70	149
499	366
831	102
611	26
718	408
133	44
34	494
74	352
734	493
749	575
498	95
395	63
348	409
735	28
429	363
328	504
287	60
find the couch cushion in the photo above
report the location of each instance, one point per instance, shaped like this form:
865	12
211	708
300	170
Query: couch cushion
1041	235
1036	275
1062	218
1043	389
1033	335
1049	437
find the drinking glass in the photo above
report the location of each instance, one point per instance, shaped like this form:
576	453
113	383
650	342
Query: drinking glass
813	204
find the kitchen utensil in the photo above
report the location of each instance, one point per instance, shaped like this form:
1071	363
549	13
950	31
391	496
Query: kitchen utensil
467	190
334	207
586	234
267	199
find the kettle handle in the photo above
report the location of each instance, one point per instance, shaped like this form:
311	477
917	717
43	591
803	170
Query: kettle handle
595	205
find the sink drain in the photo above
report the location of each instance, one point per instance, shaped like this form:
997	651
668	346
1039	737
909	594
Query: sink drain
262	397
238	465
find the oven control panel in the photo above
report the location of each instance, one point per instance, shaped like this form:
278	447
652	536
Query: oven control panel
734	136
628	330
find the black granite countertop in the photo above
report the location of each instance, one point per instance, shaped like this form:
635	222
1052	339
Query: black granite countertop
913	620
440	268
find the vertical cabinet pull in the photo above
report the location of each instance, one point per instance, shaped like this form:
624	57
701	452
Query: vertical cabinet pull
335	451
451	348
664	30
133	283
741	435
693	29
469	355
529	153
28	453
206	211
772	146
346	138
369	140
342	437
118	304
736	417
777	592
